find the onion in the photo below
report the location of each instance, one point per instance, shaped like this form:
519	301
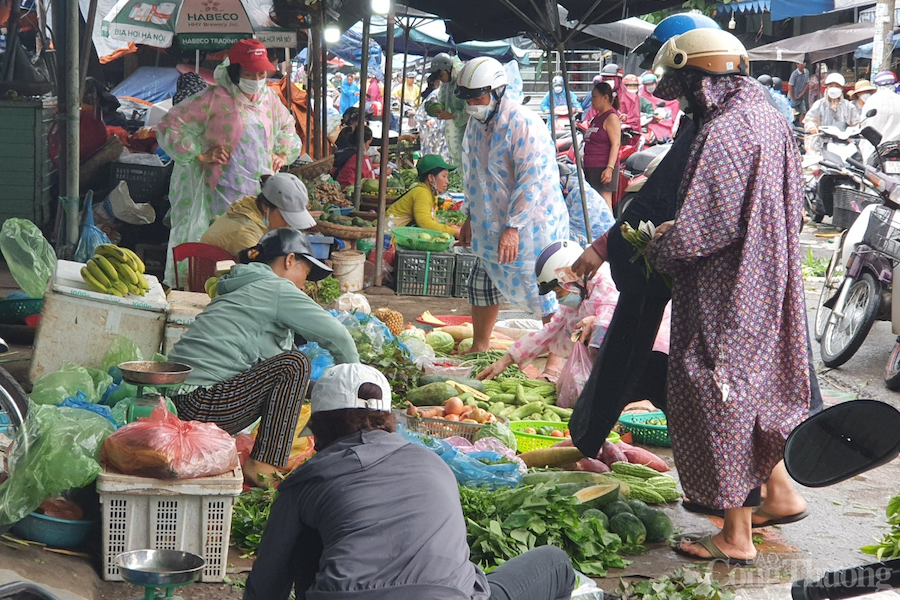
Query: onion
453	406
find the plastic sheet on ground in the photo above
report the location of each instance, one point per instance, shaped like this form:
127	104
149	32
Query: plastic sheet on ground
468	468
56	449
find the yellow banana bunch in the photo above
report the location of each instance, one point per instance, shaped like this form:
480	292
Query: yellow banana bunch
117	271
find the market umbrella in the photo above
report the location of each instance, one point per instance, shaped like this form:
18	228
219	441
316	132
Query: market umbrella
865	51
816	46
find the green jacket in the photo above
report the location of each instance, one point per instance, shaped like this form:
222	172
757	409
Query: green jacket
254	318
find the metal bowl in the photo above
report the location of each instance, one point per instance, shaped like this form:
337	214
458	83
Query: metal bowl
159	567
155	373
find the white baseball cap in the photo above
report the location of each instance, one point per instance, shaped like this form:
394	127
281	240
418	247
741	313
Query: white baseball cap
338	388
287	193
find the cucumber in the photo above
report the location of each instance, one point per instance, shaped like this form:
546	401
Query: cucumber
472	383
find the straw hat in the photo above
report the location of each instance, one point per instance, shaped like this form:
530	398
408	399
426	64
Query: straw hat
863	85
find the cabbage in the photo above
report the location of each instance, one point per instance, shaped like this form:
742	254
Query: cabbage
409	334
441	341
500	431
465	345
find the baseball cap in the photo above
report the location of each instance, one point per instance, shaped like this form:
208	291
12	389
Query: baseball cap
284	241
338	388
288	194
252	55
430	162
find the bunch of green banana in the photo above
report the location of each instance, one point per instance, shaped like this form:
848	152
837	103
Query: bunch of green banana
117	271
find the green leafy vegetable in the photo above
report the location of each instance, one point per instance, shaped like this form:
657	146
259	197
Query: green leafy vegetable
889	546
324	292
680	585
249	517
505	523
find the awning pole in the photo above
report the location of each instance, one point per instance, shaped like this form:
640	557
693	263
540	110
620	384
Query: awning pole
550	118
385	146
322	106
312	99
197	61
361	128
406	33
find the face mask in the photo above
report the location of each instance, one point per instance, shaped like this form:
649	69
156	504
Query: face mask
570	300
865	97
252	86
558	89
265	220
480	111
632	88
650	89
834	93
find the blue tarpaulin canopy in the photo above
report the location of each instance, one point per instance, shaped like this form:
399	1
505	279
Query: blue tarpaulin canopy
349	49
151	84
865	51
420	42
782	9
745	6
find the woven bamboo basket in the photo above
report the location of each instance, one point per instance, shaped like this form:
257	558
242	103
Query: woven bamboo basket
314	169
345	232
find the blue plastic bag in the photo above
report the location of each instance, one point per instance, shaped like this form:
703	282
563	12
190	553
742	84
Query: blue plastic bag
320	358
91	235
467	468
80	401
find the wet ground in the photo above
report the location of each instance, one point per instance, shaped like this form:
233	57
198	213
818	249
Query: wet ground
842	518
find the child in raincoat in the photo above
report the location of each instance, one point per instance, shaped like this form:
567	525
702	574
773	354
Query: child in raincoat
223	141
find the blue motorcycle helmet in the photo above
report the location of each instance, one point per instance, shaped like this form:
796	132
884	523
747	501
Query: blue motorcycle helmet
670	27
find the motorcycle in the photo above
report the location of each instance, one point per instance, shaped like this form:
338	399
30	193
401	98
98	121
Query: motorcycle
840	144
13	408
857	288
635	171
833	446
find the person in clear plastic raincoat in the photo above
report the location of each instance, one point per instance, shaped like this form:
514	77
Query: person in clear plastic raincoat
432	135
223	141
601	216
453	111
513	197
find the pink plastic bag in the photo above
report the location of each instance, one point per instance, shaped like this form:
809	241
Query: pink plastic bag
163	446
573	377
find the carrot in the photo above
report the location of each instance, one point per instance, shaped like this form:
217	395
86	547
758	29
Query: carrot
551	457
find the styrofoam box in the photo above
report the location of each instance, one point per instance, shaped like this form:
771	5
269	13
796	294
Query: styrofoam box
77	323
191	515
183	309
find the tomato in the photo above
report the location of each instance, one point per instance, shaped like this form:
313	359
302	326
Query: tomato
556	433
567	434
531	430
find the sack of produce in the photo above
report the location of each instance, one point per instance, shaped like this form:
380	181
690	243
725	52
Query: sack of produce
163	446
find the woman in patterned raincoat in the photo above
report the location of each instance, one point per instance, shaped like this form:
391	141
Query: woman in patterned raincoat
738	370
223	140
513	198
454	115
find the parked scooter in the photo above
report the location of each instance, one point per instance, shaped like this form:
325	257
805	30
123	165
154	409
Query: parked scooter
833	446
635	171
857	288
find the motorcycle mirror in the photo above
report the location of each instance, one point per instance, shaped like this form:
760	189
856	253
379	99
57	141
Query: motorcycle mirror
843	441
872	112
871	135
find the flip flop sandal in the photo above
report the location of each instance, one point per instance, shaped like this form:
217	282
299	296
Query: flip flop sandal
716	554
701	510
773	520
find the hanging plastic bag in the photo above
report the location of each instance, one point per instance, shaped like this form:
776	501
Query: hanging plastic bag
55	450
163	446
320	358
29	255
91	235
573	377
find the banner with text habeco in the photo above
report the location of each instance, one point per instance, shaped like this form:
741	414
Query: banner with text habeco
198	23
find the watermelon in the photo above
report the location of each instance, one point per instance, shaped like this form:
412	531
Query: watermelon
630	528
658	524
558	477
617	507
596	496
595	512
638	507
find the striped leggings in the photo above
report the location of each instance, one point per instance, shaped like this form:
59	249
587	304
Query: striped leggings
274	390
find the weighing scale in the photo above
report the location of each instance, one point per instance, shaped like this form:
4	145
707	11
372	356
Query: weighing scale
159	572
163	376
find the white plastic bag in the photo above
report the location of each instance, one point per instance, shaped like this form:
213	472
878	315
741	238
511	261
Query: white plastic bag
350	301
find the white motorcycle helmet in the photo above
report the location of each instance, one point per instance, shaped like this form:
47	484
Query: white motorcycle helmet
558	255
480	76
710	51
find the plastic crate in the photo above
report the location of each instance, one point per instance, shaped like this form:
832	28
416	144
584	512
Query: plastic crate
424	273
14	312
462	270
882	234
848	203
644	433
145	183
191	515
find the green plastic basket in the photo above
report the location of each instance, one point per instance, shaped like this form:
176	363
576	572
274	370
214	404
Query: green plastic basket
533	441
407	237
13	312
641	432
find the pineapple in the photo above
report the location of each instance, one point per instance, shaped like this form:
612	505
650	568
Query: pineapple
391	318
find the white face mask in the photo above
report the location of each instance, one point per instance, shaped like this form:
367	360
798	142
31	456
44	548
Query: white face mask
650	89
480	111
558	89
865	96
834	93
252	86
